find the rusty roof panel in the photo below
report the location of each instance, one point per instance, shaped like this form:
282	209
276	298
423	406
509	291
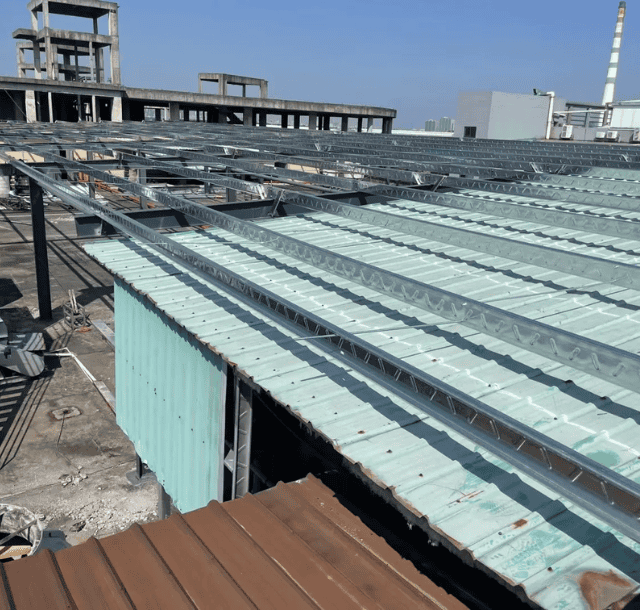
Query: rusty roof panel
293	546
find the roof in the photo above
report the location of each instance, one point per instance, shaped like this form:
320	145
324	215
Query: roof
292	546
525	534
75	8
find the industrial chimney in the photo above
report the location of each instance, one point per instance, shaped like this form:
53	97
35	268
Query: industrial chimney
610	85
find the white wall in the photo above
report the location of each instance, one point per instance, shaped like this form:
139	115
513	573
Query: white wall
625	117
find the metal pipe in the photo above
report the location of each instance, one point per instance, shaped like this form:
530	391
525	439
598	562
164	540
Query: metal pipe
552	96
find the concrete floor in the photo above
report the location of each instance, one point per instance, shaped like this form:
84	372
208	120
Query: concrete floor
71	473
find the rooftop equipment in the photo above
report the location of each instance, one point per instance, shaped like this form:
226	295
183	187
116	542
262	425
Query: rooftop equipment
567	132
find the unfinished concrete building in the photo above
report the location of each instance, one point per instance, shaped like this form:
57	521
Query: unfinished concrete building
75	76
60	47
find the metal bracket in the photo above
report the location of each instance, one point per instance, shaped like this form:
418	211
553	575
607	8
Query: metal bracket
274	208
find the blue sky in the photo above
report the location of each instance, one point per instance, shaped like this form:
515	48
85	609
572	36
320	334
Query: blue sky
412	56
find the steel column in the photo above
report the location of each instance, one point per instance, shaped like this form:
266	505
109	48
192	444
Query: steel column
40	250
242	438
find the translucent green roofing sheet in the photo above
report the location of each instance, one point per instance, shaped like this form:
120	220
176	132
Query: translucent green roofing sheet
524	533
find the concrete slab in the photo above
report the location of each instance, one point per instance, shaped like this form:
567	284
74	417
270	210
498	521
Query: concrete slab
71	472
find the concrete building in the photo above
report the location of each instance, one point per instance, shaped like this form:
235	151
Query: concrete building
60	47
62	76
503	116
446	124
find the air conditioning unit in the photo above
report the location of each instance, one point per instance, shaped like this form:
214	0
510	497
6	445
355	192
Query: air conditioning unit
613	136
601	135
567	132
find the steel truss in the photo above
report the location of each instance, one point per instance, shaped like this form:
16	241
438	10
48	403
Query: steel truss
602	492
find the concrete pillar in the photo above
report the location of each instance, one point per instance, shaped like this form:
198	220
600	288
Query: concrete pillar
48	47
174	111
359	124
222	85
247	117
97	53
94	109
327	122
30	99
313	121
77	62
37	66
345	123
92	62
222	116
22	73
244	91
369	123
116	110
51	117
386	124
264	89
263	118
296	121
284	123
187	115
115	48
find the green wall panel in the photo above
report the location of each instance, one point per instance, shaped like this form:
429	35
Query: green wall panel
169	400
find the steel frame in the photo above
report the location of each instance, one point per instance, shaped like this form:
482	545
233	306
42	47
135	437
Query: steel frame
611	497
410	161
604	361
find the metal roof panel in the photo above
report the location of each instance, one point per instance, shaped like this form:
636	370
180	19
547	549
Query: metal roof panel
467	496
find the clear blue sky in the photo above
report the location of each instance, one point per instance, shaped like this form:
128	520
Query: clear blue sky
412	56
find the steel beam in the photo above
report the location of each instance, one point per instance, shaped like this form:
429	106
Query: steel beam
594	268
626	229
610	496
609	363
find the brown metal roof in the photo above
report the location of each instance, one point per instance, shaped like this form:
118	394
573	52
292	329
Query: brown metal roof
293	546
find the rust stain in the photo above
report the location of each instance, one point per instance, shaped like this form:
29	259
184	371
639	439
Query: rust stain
605	590
519	523
292	546
468	496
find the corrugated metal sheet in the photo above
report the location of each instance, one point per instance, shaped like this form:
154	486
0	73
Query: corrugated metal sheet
169	392
525	534
293	546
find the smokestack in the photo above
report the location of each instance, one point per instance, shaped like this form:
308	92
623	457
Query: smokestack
610	85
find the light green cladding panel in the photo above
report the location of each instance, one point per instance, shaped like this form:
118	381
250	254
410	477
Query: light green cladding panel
170	393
